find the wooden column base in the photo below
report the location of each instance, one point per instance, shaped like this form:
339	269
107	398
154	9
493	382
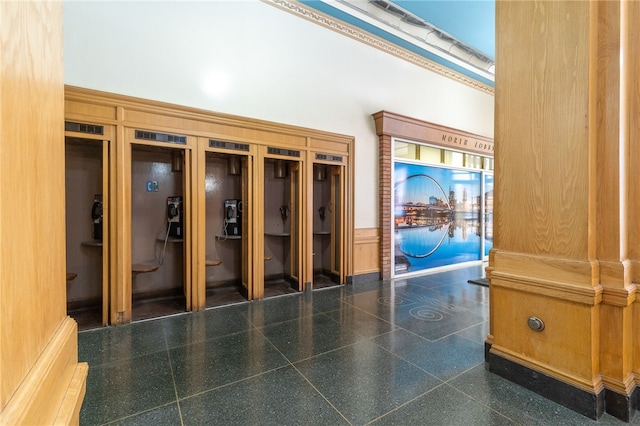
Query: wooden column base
53	391
588	404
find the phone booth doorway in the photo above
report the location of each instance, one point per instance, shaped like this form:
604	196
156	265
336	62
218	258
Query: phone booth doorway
281	218
160	257
328	220
88	194
226	255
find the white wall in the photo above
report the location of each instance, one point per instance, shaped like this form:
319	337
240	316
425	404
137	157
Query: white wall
252	59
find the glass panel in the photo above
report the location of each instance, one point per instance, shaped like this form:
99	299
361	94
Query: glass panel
430	154
406	150
472	161
487	163
488	213
452	158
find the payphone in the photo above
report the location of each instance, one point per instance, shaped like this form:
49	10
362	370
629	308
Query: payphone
233	217
96	216
174	216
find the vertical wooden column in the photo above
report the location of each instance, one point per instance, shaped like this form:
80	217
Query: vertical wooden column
632	70
563	191
41	381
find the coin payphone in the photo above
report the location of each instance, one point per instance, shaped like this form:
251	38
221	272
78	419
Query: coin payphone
233	217
174	217
96	216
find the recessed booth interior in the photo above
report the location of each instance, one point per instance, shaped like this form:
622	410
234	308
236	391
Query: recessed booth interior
327	225
226	238
281	226
157	231
84	188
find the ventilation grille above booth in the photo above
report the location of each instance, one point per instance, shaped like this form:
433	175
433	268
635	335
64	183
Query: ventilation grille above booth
282	151
161	137
329	157
228	145
92	129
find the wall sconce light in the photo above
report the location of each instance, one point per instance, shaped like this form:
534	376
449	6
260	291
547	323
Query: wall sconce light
319	172
280	169
233	165
176	161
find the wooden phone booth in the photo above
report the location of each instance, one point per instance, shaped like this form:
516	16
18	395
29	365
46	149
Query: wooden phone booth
89	160
225	218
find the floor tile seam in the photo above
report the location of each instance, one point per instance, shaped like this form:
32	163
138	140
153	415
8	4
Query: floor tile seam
321	394
324	311
410	362
173	380
479	401
369	313
465	337
404	404
115	361
171	347
234	382
289	320
458	331
333	350
139	413
352	329
464	372
275	347
478	304
227	305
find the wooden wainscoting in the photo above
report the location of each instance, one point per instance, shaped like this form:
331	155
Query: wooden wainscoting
366	252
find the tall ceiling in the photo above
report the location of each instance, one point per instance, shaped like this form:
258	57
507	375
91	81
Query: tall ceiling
457	34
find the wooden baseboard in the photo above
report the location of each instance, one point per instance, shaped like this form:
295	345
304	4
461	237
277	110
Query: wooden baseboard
53	390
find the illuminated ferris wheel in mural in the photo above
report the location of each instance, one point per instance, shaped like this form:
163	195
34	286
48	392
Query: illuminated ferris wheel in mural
423	215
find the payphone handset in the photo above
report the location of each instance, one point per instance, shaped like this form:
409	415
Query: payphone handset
174	216
233	217
96	216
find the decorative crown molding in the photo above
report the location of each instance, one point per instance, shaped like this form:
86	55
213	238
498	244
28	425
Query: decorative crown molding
300	10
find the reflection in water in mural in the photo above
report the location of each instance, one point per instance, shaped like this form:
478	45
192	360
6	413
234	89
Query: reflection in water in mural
433	226
488	213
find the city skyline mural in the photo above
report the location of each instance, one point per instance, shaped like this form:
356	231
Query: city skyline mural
437	216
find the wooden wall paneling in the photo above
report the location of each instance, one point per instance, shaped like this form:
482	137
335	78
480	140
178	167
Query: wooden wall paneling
632	77
543	150
249	195
191	231
563	111
108	222
612	130
39	369
307	219
101	113
543	130
258	232
199	291
122	291
366	251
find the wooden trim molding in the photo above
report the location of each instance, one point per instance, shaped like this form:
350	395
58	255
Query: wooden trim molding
400	126
389	126
350	31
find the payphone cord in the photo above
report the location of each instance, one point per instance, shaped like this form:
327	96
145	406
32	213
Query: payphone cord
164	247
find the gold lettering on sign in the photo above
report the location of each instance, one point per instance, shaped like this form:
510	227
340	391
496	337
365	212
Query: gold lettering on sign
459	141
